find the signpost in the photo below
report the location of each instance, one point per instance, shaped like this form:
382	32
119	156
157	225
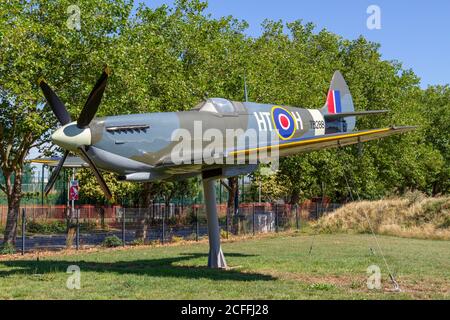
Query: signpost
74	196
73	193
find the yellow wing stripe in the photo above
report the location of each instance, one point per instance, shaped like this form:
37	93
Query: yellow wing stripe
312	141
43	161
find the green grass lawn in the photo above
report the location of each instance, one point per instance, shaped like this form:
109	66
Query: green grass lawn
274	267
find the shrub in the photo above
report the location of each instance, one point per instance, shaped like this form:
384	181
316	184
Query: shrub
154	242
415	197
428	218
191	237
46	227
112	242
223	234
137	242
7	248
190	217
176	239
88	226
446	223
172	221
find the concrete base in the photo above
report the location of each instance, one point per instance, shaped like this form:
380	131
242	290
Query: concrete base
216	258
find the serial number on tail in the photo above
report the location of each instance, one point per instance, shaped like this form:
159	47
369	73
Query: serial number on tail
319	124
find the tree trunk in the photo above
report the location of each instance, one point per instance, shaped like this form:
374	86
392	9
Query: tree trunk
101	213
71	227
233	184
142	220
14	197
295	198
11	223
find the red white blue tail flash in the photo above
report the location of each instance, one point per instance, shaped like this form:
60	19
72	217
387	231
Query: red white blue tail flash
334	101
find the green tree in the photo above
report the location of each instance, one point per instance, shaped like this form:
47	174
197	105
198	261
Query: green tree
37	41
435	106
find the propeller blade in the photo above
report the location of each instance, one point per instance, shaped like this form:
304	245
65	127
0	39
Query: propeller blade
96	172
55	174
91	106
59	109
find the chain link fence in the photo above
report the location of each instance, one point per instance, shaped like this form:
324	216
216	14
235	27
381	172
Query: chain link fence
57	227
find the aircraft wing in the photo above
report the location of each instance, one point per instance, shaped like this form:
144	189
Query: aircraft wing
328	141
71	162
287	148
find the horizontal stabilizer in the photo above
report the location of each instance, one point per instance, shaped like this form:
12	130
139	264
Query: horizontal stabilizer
331	116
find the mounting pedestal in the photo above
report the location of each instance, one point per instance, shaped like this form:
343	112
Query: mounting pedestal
216	258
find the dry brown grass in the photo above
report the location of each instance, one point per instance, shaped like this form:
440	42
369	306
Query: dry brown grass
414	216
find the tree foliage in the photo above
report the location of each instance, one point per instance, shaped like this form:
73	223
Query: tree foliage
36	42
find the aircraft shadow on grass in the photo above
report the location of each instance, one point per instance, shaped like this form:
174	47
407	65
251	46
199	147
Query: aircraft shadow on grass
164	267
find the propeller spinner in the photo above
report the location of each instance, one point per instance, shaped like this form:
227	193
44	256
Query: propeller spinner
76	136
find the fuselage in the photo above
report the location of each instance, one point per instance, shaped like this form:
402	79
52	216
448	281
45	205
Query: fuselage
150	138
140	143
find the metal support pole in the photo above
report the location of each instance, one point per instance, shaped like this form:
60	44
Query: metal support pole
236	201
123	227
216	258
73	200
67	179
23	229
42	187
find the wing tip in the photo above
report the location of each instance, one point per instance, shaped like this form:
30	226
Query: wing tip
403	128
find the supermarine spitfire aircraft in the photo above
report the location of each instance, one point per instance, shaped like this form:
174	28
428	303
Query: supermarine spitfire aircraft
177	145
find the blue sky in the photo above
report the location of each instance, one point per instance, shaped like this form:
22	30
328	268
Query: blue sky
417	33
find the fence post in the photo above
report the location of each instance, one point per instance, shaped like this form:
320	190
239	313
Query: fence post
276	218
317	210
227	222
23	230
196	222
78	229
253	219
123	227
163	224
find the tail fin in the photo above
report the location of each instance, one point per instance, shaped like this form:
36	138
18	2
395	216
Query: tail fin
339	112
339	99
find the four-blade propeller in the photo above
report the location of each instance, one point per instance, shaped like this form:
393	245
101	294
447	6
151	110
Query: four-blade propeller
76	136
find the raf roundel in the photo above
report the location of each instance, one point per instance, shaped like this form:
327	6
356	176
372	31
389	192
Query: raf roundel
283	122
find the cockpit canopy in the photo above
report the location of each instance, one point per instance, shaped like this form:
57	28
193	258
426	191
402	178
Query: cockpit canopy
216	105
